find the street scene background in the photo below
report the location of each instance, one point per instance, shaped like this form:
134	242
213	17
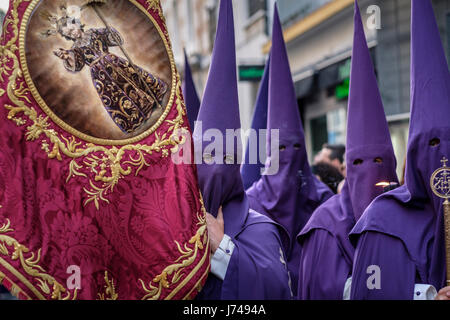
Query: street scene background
319	36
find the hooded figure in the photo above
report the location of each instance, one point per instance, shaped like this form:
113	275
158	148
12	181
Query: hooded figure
327	254
290	196
190	93
251	172
400	238
121	221
248	263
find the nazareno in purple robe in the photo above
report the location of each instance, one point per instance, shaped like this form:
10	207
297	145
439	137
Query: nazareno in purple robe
327	253
402	231
255	270
290	196
251	172
190	93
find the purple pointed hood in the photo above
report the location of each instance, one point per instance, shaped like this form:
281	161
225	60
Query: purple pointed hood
251	172
430	102
370	156
290	196
221	182
412	213
190	93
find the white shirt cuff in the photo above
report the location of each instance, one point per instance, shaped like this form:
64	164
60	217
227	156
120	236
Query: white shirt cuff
347	289
421	291
221	258
424	292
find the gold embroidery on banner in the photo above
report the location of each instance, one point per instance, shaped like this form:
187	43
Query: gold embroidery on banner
22	279
55	118
107	165
4	69
17	290
155	5
29	263
198	285
112	161
172	274
110	290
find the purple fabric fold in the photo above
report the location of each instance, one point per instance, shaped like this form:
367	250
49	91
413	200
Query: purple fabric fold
190	93
290	196
407	223
327	252
256	258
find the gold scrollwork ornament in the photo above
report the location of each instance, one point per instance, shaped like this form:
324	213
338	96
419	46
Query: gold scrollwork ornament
107	165
440	185
172	274
102	167
156	6
29	262
440	181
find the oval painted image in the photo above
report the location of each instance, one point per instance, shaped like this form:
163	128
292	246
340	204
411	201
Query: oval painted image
99	68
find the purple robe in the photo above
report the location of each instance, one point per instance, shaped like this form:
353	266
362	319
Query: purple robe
402	231
256	270
327	254
290	196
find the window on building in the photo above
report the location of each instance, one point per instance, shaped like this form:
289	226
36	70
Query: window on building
319	133
212	9
255	5
175	35
190	17
2	15
336	125
294	10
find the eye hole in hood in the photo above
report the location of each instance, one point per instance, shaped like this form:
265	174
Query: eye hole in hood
435	142
228	159
378	160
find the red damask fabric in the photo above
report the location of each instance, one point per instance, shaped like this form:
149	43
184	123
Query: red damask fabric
124	218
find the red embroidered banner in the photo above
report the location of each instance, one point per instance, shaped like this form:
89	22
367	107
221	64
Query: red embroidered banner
91	204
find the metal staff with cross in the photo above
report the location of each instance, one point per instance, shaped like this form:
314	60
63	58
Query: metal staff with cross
440	185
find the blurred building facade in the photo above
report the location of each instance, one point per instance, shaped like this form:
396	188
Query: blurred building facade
319	36
192	26
2	16
319	43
